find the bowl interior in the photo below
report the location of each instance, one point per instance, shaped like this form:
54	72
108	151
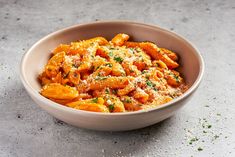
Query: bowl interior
34	61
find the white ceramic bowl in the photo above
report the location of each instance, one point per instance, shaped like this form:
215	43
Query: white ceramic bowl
33	61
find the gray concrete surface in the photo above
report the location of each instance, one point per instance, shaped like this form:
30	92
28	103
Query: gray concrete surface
28	131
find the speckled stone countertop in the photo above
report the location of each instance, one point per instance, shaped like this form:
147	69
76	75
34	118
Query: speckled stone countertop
203	128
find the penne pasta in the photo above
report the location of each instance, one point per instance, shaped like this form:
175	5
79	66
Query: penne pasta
111	76
120	39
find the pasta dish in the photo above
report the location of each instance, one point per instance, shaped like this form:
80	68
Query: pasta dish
111	76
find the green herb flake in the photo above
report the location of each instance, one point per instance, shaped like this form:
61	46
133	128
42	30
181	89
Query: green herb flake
194	139
95	100
118	59
127	100
199	149
144	71
216	136
176	78
150	84
75	65
155	89
109	64
100	78
209	126
132	50
111	107
106	91
131	71
97	67
110	53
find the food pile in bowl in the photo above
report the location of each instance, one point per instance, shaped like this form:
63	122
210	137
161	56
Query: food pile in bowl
111	76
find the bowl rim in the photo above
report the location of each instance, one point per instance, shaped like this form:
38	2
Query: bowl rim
58	106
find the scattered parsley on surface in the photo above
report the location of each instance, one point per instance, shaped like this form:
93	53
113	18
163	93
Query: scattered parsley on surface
193	140
199	149
216	136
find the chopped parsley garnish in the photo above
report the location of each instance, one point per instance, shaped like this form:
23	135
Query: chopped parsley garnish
118	59
150	84
209	126
95	100
108	64
106	91
100	78
110	53
127	101
155	89
131	71
177	78
132	50
138	50
97	67
75	65
111	107
144	71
